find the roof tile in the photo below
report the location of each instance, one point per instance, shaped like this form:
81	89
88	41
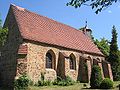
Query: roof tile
42	29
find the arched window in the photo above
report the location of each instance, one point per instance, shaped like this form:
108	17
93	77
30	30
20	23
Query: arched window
48	60
72	62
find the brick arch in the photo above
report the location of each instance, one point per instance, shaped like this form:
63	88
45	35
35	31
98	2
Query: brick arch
50	55
72	55
90	59
72	61
98	59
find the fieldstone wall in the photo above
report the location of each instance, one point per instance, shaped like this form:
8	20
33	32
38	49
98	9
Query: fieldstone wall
36	60
21	67
50	74
70	72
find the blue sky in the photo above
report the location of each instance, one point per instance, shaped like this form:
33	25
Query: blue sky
101	24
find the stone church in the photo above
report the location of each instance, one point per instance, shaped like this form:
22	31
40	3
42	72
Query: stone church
37	44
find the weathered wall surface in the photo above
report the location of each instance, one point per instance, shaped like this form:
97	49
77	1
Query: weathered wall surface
36	62
8	63
36	58
107	70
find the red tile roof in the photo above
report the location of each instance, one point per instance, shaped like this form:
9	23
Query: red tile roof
23	49
42	29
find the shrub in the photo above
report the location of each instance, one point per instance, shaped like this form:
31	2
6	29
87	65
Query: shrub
69	81
48	83
63	82
96	77
59	81
59	78
106	84
31	83
21	83
42	76
42	82
55	82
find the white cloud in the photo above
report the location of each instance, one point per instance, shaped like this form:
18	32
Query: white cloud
109	11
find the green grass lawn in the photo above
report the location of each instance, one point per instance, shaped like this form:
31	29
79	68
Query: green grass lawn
77	86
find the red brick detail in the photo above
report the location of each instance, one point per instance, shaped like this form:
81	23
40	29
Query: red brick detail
64	54
23	49
22	60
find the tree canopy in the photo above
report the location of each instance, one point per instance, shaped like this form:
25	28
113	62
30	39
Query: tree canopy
103	45
114	56
0	23
96	77
113	47
3	34
98	5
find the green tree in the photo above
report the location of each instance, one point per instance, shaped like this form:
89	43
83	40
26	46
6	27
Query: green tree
114	57
106	84
0	23
96	77
98	5
103	45
119	52
3	34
